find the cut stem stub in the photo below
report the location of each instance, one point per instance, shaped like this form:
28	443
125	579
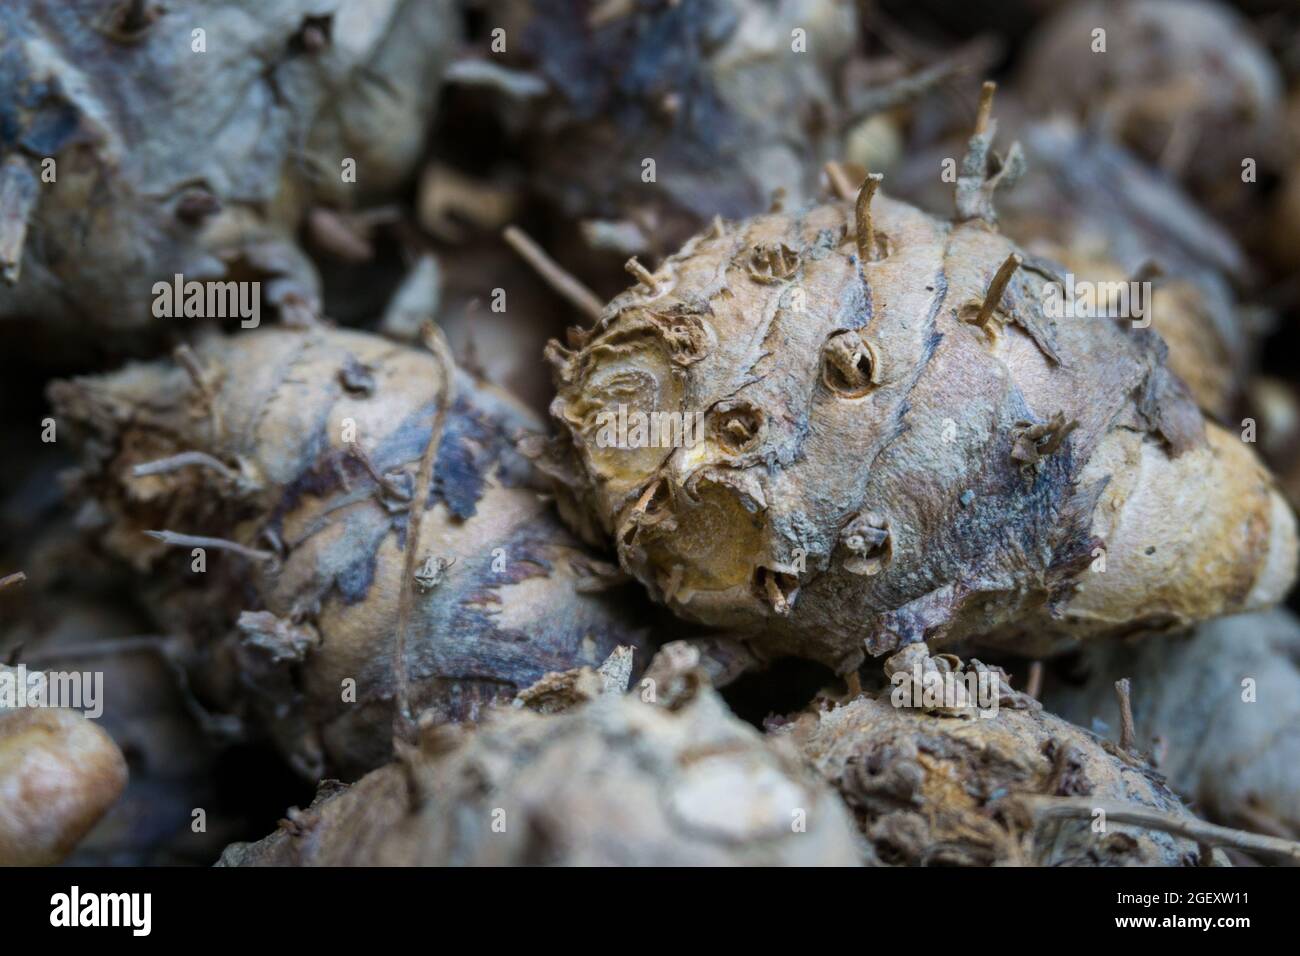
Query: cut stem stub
866	230
995	290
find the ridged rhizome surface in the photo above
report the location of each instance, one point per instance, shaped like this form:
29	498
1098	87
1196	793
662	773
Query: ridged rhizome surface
884	460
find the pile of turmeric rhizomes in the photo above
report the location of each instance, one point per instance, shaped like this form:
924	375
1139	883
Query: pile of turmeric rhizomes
630	433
